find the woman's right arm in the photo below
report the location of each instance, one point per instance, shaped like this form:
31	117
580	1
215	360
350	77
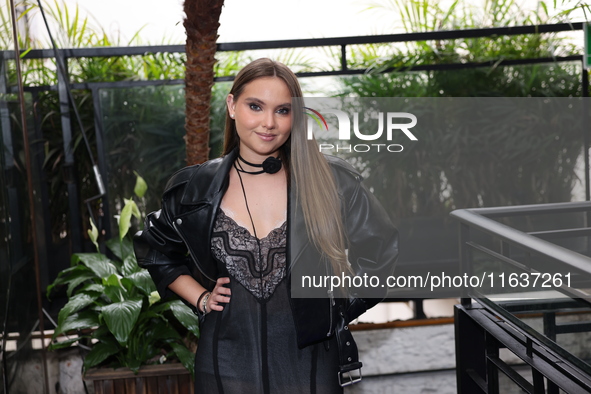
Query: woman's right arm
160	250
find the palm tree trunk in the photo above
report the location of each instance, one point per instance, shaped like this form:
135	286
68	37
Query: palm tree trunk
201	25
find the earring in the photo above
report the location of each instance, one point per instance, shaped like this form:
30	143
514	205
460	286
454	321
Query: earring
232	116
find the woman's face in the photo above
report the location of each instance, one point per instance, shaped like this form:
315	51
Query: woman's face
263	117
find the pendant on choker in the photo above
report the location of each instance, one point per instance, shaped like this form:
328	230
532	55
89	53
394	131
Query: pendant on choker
271	165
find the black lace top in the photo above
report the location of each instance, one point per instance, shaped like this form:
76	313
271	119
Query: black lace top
258	273
251	346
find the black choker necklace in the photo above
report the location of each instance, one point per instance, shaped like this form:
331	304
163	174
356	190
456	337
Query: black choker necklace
271	165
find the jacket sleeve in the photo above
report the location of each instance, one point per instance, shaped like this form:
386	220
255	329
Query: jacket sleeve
372	245
158	247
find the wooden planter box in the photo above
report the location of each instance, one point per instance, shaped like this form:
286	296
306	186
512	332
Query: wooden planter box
151	379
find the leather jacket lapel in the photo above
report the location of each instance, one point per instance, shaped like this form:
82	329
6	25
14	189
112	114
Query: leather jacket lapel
209	181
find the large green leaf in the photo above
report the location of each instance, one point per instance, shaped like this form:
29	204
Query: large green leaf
78	321
121	248
121	317
75	303
114	289
93	287
185	355
99	353
65	276
116	293
129	286
130	266
161	306
112	280
63	344
103	334
73	277
100	264
77	278
185	316
159	330
143	281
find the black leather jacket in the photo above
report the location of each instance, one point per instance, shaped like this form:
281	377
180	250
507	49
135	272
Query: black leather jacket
176	240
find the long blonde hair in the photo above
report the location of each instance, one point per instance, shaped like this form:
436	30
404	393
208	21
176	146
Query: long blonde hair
314	180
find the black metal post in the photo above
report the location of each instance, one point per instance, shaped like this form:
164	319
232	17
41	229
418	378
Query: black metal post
465	259
42	212
470	354
492	372
68	166
104	221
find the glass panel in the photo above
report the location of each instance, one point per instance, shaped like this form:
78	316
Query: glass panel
457	152
19	310
143	130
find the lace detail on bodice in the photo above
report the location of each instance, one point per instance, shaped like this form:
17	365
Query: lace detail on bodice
233	245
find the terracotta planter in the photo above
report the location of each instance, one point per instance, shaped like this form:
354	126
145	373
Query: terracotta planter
151	379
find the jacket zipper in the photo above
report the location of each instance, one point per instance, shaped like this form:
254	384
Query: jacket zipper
330	305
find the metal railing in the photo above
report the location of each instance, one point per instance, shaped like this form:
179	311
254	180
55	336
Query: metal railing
494	323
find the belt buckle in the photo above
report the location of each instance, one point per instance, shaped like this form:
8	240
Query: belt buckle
351	380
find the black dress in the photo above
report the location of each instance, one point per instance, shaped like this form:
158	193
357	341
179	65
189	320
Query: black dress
251	347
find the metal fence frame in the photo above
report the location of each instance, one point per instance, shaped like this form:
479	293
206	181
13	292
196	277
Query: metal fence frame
482	327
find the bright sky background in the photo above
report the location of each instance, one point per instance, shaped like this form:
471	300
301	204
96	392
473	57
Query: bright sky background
161	21
241	20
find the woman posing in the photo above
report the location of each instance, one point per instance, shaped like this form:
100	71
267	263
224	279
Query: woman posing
232	233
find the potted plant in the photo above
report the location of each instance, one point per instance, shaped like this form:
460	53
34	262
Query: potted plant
113	306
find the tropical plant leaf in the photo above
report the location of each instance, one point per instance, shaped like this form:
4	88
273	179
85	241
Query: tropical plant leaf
70	275
63	344
112	280
129	286
103	334
93	287
161	307
185	355
120	317
143	281
130	266
133	363
78	278
78	321
121	248
114	288
185	316
99	353
76	303
100	264
160	331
